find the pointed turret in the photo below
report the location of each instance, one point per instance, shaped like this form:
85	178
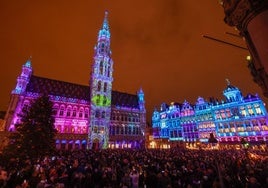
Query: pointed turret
141	99
24	77
103	46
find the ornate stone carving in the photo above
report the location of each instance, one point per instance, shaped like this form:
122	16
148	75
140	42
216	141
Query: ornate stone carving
239	12
259	77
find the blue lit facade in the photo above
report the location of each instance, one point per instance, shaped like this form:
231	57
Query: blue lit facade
229	120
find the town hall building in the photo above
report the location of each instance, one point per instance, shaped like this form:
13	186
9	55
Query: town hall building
90	116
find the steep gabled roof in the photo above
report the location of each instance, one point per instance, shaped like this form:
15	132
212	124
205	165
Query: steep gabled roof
76	91
57	88
124	99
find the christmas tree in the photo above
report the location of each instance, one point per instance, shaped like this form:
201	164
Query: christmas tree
35	133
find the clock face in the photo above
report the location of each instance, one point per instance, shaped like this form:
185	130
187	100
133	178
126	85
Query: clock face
101	100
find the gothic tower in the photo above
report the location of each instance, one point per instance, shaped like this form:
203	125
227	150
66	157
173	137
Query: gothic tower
17	95
101	90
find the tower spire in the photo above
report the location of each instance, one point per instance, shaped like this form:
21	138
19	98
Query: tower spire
228	81
104	31
105	24
103	43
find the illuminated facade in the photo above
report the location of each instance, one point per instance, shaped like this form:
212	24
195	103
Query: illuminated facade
230	120
92	116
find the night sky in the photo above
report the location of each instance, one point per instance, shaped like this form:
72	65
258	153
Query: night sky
156	45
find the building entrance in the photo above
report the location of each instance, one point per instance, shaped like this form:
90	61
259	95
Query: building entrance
96	144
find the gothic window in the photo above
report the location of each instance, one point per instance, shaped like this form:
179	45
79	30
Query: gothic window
103	114
129	130
172	134
112	130
136	130
108	71
68	114
105	87
99	85
55	109
101	67
74	112
86	113
102	47
61	110
125	130
81	111
117	130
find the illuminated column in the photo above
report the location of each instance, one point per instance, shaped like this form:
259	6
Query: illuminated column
101	90
250	17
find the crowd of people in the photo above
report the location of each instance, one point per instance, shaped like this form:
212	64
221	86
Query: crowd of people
155	168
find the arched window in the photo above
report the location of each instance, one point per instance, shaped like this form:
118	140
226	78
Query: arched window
101	67
99	85
102	47
105	87
74	112
81	112
86	113
68	114
55	109
108	71
61	110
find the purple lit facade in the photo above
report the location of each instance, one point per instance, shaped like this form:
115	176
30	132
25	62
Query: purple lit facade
229	120
86	117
